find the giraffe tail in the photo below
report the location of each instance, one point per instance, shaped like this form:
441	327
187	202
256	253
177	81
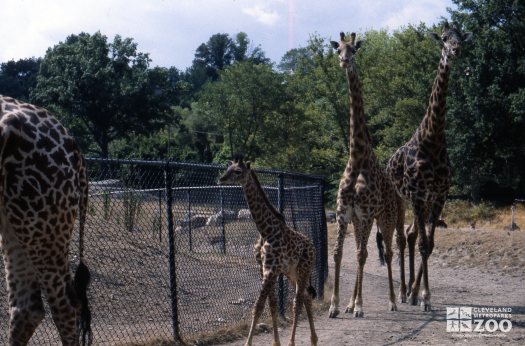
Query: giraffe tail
82	275
380	246
312	292
81	282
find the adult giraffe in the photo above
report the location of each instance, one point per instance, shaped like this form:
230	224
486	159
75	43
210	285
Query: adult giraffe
420	171
365	193
43	188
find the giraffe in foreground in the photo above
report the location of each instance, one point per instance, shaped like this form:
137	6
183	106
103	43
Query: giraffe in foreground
43	188
279	250
365	192
420	171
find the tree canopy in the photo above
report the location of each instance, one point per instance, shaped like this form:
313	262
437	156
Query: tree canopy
104	89
294	115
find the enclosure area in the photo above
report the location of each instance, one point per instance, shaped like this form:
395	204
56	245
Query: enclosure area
171	252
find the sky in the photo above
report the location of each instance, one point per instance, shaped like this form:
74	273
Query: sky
171	30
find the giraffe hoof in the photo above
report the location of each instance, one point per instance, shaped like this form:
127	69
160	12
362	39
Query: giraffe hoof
359	314
349	310
333	313
426	307
412	299
393	307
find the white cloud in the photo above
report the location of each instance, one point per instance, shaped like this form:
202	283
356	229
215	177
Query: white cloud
266	16
171	30
416	11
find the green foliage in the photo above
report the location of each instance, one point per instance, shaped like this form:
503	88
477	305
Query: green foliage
218	53
397	73
487	99
245	103
106	203
462	212
294	116
102	90
17	78
131	204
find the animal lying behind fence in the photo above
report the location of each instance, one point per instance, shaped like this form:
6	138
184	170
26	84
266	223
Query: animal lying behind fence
244	214
195	221
220	217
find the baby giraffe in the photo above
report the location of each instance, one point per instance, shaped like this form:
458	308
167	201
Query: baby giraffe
280	251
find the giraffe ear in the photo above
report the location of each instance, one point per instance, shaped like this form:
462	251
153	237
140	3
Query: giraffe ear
358	44
435	37
248	164
334	44
467	36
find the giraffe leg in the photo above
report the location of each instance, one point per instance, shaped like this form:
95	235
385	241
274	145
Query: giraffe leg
350	307
64	305
411	241
437	207
362	232
424	248
267	285
25	299
387	239
401	245
308	308
56	282
272	302
342	221
297	305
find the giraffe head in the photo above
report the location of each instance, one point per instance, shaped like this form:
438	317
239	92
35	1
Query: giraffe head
451	40
237	172
346	49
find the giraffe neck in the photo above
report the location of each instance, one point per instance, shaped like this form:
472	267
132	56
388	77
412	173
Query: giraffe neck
266	217
359	141
433	124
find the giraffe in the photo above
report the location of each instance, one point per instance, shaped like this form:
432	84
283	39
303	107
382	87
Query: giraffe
365	192
420	171
279	250
43	187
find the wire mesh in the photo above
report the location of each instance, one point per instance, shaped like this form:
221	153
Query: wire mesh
135	295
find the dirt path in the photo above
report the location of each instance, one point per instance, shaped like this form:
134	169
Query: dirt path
452	285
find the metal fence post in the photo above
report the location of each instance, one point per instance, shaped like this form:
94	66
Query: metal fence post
323	234
160	216
280	207
188	194
171	245
223	221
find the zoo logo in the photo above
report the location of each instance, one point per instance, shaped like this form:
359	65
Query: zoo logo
461	319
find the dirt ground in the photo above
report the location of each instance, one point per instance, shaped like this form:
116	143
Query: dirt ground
479	269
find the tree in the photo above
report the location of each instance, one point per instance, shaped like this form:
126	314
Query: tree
218	53
17	78
486	111
104	89
250	105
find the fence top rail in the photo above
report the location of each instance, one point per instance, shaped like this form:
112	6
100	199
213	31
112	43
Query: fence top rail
202	166
189	188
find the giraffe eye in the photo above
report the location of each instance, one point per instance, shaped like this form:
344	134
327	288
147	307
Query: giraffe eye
445	38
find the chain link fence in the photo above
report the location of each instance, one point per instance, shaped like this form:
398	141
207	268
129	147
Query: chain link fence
171	253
